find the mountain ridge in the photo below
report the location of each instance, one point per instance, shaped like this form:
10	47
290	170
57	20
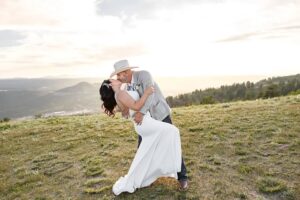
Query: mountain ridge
39	96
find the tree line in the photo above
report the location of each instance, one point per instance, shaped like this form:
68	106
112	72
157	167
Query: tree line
267	88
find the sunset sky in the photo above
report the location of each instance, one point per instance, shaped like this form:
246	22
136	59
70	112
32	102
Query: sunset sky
75	38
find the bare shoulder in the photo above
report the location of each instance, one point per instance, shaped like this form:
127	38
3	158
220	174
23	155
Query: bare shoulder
122	95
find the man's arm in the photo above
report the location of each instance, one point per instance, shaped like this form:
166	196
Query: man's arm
129	102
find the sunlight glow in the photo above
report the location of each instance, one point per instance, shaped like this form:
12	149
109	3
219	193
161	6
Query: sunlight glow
212	38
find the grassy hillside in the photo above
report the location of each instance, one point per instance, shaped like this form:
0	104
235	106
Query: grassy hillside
241	150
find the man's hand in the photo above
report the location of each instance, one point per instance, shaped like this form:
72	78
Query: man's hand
138	118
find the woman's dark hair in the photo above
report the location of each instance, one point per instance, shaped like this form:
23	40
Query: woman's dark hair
108	98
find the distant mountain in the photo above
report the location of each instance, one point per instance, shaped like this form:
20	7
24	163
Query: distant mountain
82	87
43	84
20	103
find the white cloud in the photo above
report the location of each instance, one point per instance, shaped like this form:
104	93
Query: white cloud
23	13
165	37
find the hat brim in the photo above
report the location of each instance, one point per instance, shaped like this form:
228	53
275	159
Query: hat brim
121	70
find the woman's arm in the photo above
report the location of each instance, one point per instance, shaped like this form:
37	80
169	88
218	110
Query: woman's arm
121	108
129	102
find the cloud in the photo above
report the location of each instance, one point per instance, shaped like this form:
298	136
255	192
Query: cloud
23	13
273	33
10	38
238	37
47	14
142	9
117	52
294	27
66	36
54	52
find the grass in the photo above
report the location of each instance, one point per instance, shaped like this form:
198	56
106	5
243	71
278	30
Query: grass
240	150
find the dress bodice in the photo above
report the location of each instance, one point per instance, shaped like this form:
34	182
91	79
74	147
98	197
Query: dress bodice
135	95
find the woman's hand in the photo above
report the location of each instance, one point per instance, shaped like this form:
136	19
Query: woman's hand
150	90
125	113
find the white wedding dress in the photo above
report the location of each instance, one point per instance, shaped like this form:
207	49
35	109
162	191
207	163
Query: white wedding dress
159	154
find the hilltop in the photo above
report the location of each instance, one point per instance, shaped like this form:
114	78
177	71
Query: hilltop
238	150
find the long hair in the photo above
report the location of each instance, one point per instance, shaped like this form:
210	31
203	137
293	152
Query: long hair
108	98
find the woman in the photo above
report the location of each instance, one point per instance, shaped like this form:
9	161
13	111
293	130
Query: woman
160	152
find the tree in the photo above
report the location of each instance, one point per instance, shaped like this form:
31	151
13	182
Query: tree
208	100
272	91
266	88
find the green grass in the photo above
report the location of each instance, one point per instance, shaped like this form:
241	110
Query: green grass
240	150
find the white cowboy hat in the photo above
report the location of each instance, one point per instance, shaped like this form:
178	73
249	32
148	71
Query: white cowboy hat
121	66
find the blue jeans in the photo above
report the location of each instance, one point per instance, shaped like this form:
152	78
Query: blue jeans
182	174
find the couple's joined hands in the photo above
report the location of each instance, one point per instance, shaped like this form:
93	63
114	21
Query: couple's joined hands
138	117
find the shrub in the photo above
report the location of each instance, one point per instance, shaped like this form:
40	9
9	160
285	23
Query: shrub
271	185
6	119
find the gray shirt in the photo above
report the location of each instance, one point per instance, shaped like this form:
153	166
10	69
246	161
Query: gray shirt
156	103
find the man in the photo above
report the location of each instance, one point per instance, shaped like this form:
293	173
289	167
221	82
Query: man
155	104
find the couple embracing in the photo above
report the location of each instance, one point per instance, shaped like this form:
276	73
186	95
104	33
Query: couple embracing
159	146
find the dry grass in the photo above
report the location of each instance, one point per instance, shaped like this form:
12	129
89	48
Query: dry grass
241	150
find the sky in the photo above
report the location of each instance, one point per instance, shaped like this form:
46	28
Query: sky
179	38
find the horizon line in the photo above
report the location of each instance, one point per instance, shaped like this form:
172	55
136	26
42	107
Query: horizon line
194	76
